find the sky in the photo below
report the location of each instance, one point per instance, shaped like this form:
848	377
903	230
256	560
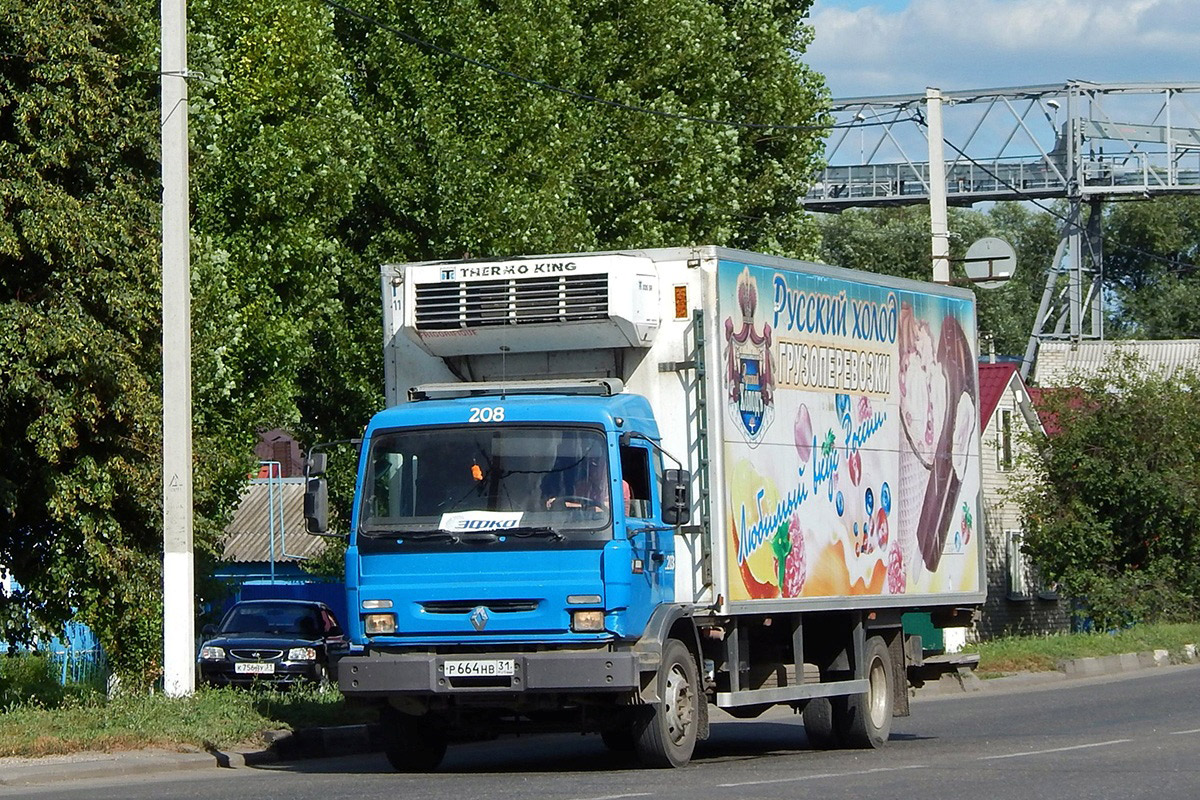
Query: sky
881	47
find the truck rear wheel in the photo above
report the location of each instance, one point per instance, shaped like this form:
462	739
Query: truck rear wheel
818	723
668	735
411	744
865	720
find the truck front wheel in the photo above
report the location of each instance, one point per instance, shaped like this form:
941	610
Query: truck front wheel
667	736
411	744
866	719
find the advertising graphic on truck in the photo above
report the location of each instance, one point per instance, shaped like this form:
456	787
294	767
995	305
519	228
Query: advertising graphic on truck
852	411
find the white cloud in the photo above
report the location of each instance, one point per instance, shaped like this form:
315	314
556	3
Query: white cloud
966	44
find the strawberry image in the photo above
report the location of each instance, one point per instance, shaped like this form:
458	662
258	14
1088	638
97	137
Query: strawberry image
795	568
895	571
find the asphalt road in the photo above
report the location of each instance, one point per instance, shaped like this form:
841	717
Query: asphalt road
1135	736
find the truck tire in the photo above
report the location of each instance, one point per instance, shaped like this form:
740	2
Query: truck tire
411	744
619	740
667	737
865	721
818	723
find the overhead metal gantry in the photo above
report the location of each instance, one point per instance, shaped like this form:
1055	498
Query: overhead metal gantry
1081	142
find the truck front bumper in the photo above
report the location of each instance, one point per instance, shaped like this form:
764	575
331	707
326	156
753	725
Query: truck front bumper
380	674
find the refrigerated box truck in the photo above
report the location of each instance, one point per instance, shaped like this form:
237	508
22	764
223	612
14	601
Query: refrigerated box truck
611	489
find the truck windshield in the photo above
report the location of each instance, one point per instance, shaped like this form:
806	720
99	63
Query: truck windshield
539	484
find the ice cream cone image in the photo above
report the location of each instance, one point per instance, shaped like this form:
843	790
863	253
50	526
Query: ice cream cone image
914	479
922	410
941	495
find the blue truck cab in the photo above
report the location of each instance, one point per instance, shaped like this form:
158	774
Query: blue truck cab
497	521
509	554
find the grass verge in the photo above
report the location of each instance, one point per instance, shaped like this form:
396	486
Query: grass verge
212	718
1043	653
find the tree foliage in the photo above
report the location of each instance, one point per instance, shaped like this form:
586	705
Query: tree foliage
1112	499
896	241
324	144
80	412
466	161
273	176
1152	268
472	161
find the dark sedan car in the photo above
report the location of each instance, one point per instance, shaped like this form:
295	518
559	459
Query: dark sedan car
272	643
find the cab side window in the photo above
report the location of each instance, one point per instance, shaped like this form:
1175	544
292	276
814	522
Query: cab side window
635	472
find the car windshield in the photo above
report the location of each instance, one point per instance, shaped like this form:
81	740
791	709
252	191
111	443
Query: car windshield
451	485
273	618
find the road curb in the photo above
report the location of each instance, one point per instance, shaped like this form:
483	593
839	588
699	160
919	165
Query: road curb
18	772
964	680
307	743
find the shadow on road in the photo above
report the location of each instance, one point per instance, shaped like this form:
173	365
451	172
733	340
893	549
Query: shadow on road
567	753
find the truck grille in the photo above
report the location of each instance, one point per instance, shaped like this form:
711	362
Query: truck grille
513	301
467	606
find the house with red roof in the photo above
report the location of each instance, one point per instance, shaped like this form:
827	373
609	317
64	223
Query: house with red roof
1018	601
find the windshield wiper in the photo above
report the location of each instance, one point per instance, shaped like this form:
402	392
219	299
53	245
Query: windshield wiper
524	532
385	532
529	531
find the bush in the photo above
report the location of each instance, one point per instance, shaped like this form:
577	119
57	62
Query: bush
29	679
1111	499
34	680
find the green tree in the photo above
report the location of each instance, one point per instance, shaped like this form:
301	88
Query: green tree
80	412
473	162
896	241
324	145
1152	268
274	174
470	162
1112	499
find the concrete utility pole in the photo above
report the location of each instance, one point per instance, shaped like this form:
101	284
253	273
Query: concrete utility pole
939	227
179	597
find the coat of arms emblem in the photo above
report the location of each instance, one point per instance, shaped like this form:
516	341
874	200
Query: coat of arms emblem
749	378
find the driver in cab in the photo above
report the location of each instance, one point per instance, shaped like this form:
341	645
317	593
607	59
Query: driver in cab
585	486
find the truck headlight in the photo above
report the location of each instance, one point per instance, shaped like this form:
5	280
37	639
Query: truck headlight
379	623
590	620
302	654
210	653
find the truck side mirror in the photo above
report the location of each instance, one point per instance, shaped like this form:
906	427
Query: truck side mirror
676	497
316	504
315	464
